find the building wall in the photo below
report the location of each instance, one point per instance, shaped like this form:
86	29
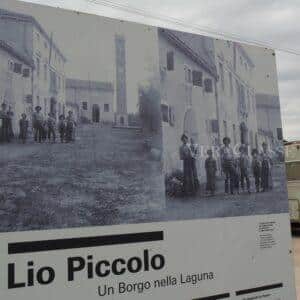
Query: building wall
190	106
92	97
235	79
49	75
28	39
269	119
14	87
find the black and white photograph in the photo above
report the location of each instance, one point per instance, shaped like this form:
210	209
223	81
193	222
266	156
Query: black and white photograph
106	122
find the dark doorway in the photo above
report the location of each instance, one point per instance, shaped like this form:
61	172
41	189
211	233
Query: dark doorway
244	134
96	113
122	121
53	106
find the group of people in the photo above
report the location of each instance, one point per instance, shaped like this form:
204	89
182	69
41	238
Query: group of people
236	168
43	128
46	128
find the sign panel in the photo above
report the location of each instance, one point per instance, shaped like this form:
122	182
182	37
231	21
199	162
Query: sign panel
148	163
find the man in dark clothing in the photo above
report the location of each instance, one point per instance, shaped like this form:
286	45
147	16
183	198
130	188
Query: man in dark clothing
37	122
211	170
23	124
4	124
227	161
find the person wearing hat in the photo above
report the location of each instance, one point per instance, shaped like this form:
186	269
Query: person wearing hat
37	124
3	123
189	180
23	125
70	127
227	162
244	164
256	169
211	171
266	165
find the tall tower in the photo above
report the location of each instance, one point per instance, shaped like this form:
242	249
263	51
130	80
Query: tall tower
121	91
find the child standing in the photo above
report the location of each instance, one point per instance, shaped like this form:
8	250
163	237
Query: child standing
244	168
256	169
70	127
211	170
62	127
23	125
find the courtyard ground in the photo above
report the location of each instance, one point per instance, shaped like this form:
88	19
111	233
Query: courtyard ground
105	177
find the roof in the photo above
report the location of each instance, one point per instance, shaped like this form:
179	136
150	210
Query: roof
267	101
87	84
199	48
12	51
6	14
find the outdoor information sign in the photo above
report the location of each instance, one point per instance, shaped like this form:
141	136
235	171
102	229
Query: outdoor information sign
137	163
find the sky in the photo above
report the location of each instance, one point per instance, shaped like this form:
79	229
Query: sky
272	22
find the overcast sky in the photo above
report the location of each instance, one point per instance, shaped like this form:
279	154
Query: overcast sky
274	22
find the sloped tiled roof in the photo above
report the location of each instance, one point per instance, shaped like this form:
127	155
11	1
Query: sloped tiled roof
7	14
87	84
199	48
12	51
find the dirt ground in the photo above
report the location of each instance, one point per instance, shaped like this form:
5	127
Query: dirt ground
105	177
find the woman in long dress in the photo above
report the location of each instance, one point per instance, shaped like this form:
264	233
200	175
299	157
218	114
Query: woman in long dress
189	186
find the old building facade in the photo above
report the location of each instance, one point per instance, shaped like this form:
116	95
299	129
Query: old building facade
236	94
26	35
188	94
269	120
16	71
90	101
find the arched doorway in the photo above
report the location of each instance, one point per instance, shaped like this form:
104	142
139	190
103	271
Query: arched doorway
96	113
190	127
244	134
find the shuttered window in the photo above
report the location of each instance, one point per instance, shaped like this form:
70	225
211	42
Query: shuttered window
197	78
170	61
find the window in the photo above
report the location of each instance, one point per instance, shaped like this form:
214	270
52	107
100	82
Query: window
37	67
106	107
225	128
214	126
234	134
45	106
221	70
84	105
171	116
165	113
279	134
18	68
46	45
26	72
208	85
170	61
197	78
188	74
38	36
45	72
